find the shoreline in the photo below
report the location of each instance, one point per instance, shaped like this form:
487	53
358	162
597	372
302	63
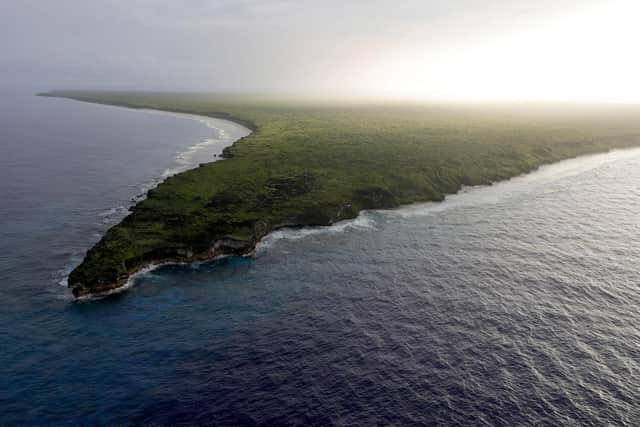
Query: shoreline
125	283
129	281
179	166
250	249
107	268
248	124
204	258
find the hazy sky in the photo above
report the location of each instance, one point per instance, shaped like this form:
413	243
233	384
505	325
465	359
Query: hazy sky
460	49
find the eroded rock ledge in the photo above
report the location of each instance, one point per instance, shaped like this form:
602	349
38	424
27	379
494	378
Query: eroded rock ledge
219	248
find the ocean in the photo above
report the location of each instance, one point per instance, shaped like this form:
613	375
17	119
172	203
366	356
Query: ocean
512	304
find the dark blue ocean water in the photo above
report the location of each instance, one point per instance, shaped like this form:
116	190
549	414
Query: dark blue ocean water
516	304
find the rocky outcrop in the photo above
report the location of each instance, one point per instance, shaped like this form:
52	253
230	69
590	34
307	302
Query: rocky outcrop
218	249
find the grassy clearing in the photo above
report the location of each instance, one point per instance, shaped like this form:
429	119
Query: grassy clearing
313	163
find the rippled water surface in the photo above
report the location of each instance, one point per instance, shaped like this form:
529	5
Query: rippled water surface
515	304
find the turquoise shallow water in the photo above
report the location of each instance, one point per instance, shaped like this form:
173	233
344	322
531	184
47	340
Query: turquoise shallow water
514	304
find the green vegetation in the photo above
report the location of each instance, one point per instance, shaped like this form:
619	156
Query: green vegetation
313	163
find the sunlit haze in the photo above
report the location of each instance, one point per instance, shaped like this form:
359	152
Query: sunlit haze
464	50
583	55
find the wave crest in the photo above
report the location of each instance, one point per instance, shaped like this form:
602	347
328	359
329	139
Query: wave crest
364	221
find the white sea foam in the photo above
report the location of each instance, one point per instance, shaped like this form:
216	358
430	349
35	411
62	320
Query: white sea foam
62	275
112	214
364	221
227	132
108	212
523	184
129	283
112	211
209	150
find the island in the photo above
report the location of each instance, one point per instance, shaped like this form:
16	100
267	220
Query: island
313	162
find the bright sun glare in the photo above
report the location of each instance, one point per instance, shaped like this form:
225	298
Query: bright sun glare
589	55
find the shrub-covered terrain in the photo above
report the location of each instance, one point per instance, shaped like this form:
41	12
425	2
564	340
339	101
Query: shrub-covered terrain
316	162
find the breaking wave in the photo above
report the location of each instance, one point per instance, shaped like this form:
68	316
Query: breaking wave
209	150
515	187
364	222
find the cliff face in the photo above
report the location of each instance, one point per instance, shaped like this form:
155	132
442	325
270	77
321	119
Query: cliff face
107	267
312	164
98	285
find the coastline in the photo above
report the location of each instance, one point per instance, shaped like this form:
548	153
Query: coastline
101	274
250	125
124	283
127	282
567	166
220	249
